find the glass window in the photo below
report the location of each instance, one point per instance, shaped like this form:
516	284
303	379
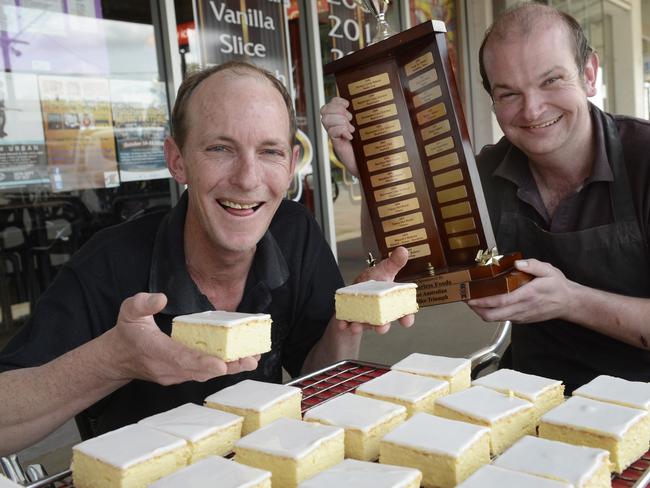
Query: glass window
83	117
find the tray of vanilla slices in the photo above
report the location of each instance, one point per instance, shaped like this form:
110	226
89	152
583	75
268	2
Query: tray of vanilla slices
420	422
423	419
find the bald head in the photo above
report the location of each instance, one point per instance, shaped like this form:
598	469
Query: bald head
524	21
180	125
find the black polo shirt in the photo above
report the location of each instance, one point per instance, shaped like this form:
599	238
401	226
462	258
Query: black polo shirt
503	164
293	278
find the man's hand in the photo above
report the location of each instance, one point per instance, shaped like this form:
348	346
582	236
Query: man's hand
547	296
142	351
386	270
336	120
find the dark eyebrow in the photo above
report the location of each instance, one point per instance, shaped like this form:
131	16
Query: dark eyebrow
544	75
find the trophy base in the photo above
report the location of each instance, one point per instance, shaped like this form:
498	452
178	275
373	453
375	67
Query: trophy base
465	283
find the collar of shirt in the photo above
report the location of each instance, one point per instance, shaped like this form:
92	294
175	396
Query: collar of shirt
169	274
514	168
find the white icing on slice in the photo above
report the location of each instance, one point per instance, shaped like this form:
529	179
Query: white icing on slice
253	395
433	365
374	288
362	474
191	422
129	445
484	404
594	416
403	386
221	319
451	436
617	390
288	438
528	386
355	412
214	471
490	476
542	457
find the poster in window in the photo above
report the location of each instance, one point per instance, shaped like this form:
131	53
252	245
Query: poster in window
78	132
141	123
22	145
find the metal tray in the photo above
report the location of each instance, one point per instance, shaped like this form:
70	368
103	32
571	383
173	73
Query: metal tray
344	377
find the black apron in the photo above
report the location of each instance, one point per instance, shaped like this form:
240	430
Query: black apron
610	257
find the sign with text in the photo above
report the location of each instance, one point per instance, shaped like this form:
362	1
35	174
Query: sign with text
253	30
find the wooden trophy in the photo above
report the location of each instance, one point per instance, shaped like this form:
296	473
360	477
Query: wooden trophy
417	167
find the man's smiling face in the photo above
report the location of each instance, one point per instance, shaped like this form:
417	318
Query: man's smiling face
540	97
237	160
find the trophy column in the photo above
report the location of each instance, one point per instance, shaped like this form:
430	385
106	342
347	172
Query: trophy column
417	167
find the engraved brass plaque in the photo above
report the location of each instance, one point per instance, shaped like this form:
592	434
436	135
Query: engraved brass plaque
432	113
402	222
418	64
371	99
376	114
406	238
394	192
369	84
434	130
388	161
443	162
455	210
392	176
455	193
380	129
398	207
383	146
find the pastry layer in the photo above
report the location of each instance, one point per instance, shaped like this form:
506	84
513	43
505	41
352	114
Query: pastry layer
227	335
417	393
375	302
207	431
583	467
456	371
365	420
216	471
493	477
260	403
362	474
292	450
543	393
445	459
509	418
634	394
130	457
623	431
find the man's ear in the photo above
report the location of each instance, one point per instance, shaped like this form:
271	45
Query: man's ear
175	161
590	74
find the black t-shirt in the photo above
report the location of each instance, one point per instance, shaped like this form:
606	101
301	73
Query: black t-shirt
293	278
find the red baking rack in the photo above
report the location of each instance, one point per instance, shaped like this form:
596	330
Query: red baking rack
346	376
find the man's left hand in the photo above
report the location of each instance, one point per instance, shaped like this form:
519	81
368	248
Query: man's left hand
546	297
386	270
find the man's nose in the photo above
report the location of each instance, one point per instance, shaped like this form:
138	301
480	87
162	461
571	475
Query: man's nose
534	102
246	171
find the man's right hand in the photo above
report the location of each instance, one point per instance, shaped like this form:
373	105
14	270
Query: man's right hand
143	351
336	120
